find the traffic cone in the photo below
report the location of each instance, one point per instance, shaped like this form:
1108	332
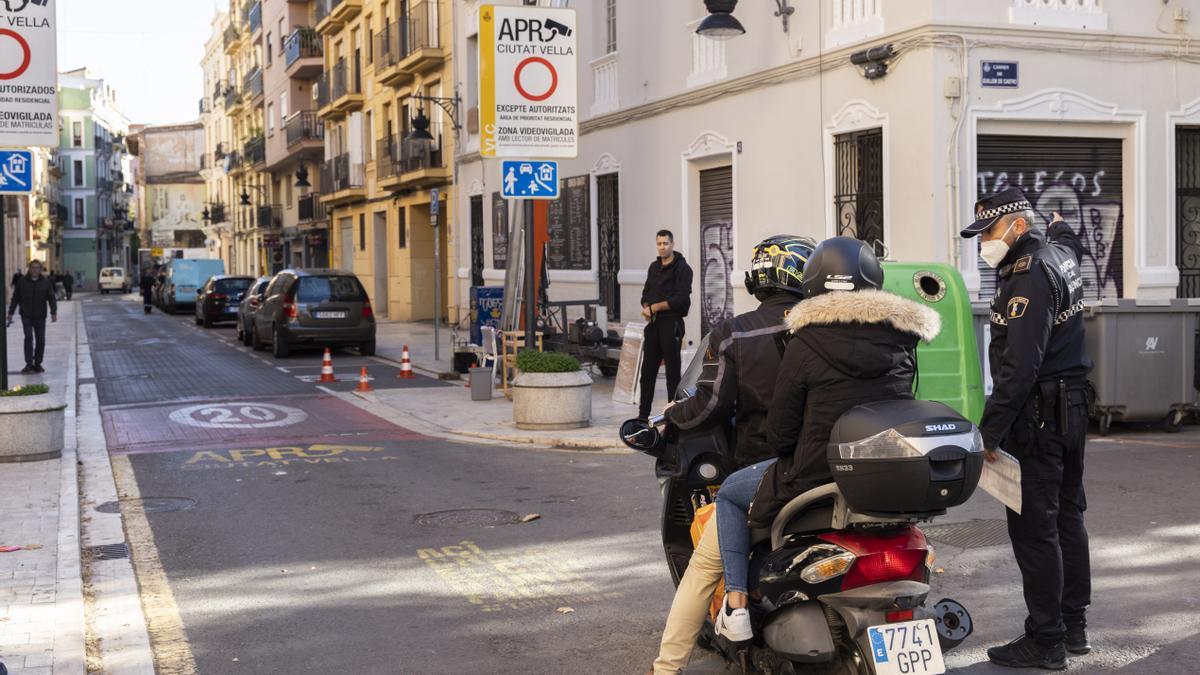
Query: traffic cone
406	371
364	382
327	368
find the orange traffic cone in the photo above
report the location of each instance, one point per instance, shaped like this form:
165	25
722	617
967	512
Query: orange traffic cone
327	368
406	371
364	382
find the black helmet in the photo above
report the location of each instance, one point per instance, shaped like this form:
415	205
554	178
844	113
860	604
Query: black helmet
778	264
842	264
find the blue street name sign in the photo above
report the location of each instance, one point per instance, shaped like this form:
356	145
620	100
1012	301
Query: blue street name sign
16	172
529	179
1001	74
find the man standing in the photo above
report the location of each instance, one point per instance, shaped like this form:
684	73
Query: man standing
68	280
1038	413
33	293
666	298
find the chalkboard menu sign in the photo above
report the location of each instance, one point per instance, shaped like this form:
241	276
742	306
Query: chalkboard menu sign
499	232
570	226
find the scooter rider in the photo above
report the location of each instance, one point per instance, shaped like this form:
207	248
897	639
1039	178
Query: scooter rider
740	368
852	343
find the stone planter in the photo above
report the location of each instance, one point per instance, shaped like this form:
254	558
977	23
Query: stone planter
31	428
552	400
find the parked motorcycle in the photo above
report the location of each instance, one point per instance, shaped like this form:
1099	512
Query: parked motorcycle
840	583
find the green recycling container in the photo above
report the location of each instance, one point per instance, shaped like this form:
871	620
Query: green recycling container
948	368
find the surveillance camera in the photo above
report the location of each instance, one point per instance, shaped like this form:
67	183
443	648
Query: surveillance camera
558	28
873	55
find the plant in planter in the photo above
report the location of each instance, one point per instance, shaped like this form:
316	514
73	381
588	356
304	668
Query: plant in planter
551	391
31	424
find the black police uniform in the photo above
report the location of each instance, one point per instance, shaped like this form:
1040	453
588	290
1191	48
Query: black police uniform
1038	413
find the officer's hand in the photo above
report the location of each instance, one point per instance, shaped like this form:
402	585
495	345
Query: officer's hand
990	455
1056	217
668	407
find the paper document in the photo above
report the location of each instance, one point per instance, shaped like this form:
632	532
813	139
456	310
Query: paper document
1002	480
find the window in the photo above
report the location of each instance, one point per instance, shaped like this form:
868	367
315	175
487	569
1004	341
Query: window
283	106
402	229
282	36
77	173
362	232
77	134
858	186
79	211
610	24
270	52
287	186
329	289
270	119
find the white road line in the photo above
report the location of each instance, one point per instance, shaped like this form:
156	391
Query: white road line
327	390
282	369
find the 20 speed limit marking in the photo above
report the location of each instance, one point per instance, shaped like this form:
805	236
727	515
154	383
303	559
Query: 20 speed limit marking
238	416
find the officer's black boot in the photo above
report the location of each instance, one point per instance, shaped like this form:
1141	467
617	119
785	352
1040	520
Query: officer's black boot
1076	639
1025	652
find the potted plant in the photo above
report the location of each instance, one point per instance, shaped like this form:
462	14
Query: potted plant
31	424
551	391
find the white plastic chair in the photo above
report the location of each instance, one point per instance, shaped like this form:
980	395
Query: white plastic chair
488	349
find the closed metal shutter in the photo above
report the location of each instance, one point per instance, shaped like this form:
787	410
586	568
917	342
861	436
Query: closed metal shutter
1079	178
716	246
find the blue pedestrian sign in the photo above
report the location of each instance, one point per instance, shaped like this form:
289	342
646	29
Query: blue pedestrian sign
529	179
16	172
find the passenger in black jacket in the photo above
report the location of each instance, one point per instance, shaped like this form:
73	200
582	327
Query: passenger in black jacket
666	298
33	293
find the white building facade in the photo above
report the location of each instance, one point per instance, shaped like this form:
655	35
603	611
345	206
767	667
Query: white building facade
728	142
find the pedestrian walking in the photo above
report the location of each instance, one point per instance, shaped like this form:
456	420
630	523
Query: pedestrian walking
1038	412
666	298
68	280
33	294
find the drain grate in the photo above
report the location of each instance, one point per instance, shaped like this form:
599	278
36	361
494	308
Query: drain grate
150	504
971	534
110	551
467	518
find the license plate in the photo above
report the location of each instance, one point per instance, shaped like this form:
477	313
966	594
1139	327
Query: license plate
329	315
908	648
231	310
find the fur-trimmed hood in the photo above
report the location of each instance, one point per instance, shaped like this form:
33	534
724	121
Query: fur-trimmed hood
866	307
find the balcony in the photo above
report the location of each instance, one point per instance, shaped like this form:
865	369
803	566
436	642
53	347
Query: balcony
255	150
254	18
420	43
233	100
231	39
333	14
253	84
302	53
310	209
216	213
342	180
303	126
233	162
346	89
205	106
60	213
410	164
104	185
269	217
219	153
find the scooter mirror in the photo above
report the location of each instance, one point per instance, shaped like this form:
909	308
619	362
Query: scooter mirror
639	435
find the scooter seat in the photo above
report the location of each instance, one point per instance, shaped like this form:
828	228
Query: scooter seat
817	518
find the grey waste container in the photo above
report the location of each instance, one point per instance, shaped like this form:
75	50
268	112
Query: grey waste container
481	384
1145	359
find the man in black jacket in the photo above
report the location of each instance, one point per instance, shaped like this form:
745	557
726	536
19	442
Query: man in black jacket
32	294
666	298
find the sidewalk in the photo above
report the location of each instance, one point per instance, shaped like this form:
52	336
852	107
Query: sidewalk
392	336
41	596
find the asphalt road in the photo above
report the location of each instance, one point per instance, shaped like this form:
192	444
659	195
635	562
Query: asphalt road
317	538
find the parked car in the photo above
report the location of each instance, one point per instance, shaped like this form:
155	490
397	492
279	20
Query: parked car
251	301
318	307
219	298
113	279
185	276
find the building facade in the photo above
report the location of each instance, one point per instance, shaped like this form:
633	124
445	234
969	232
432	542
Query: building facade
778	130
170	189
217	214
95	184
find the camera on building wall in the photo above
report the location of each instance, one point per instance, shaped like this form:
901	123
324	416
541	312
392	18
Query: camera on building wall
874	60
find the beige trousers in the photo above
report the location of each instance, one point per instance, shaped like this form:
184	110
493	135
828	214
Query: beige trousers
690	606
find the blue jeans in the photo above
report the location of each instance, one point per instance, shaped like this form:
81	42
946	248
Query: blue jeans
733	507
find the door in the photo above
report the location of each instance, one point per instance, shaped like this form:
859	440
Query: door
1187	210
858	190
346	244
608	221
477	240
716	247
381	264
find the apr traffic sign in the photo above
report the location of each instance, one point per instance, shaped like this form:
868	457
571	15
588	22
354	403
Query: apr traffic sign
16	172
529	180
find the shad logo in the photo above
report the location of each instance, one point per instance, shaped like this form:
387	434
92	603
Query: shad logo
1152	346
931	428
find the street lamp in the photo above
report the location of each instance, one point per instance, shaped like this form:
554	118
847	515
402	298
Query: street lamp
720	24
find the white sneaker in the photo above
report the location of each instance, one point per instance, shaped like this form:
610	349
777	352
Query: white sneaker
733	625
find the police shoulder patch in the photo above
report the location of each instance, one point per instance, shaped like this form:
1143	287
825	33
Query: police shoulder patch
1022	264
1016	307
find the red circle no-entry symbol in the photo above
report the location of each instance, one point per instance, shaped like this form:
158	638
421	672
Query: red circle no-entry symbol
27	56
553	79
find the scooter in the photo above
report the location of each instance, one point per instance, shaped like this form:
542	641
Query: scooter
840	583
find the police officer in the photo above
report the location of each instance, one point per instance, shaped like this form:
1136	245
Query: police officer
741	364
1038	413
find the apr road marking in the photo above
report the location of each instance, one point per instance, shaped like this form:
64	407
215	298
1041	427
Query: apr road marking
238	416
284	456
512	579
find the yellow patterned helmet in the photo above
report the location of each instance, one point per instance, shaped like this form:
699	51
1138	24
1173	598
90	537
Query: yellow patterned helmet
778	264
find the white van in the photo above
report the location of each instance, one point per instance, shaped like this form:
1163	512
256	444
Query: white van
113	279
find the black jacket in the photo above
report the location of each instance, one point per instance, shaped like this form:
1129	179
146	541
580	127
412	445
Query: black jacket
32	296
672	283
740	368
847	348
1036	326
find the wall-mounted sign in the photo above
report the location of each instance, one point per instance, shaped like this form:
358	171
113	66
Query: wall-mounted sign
28	74
999	74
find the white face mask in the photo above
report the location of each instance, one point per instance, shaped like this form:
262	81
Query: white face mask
994	251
